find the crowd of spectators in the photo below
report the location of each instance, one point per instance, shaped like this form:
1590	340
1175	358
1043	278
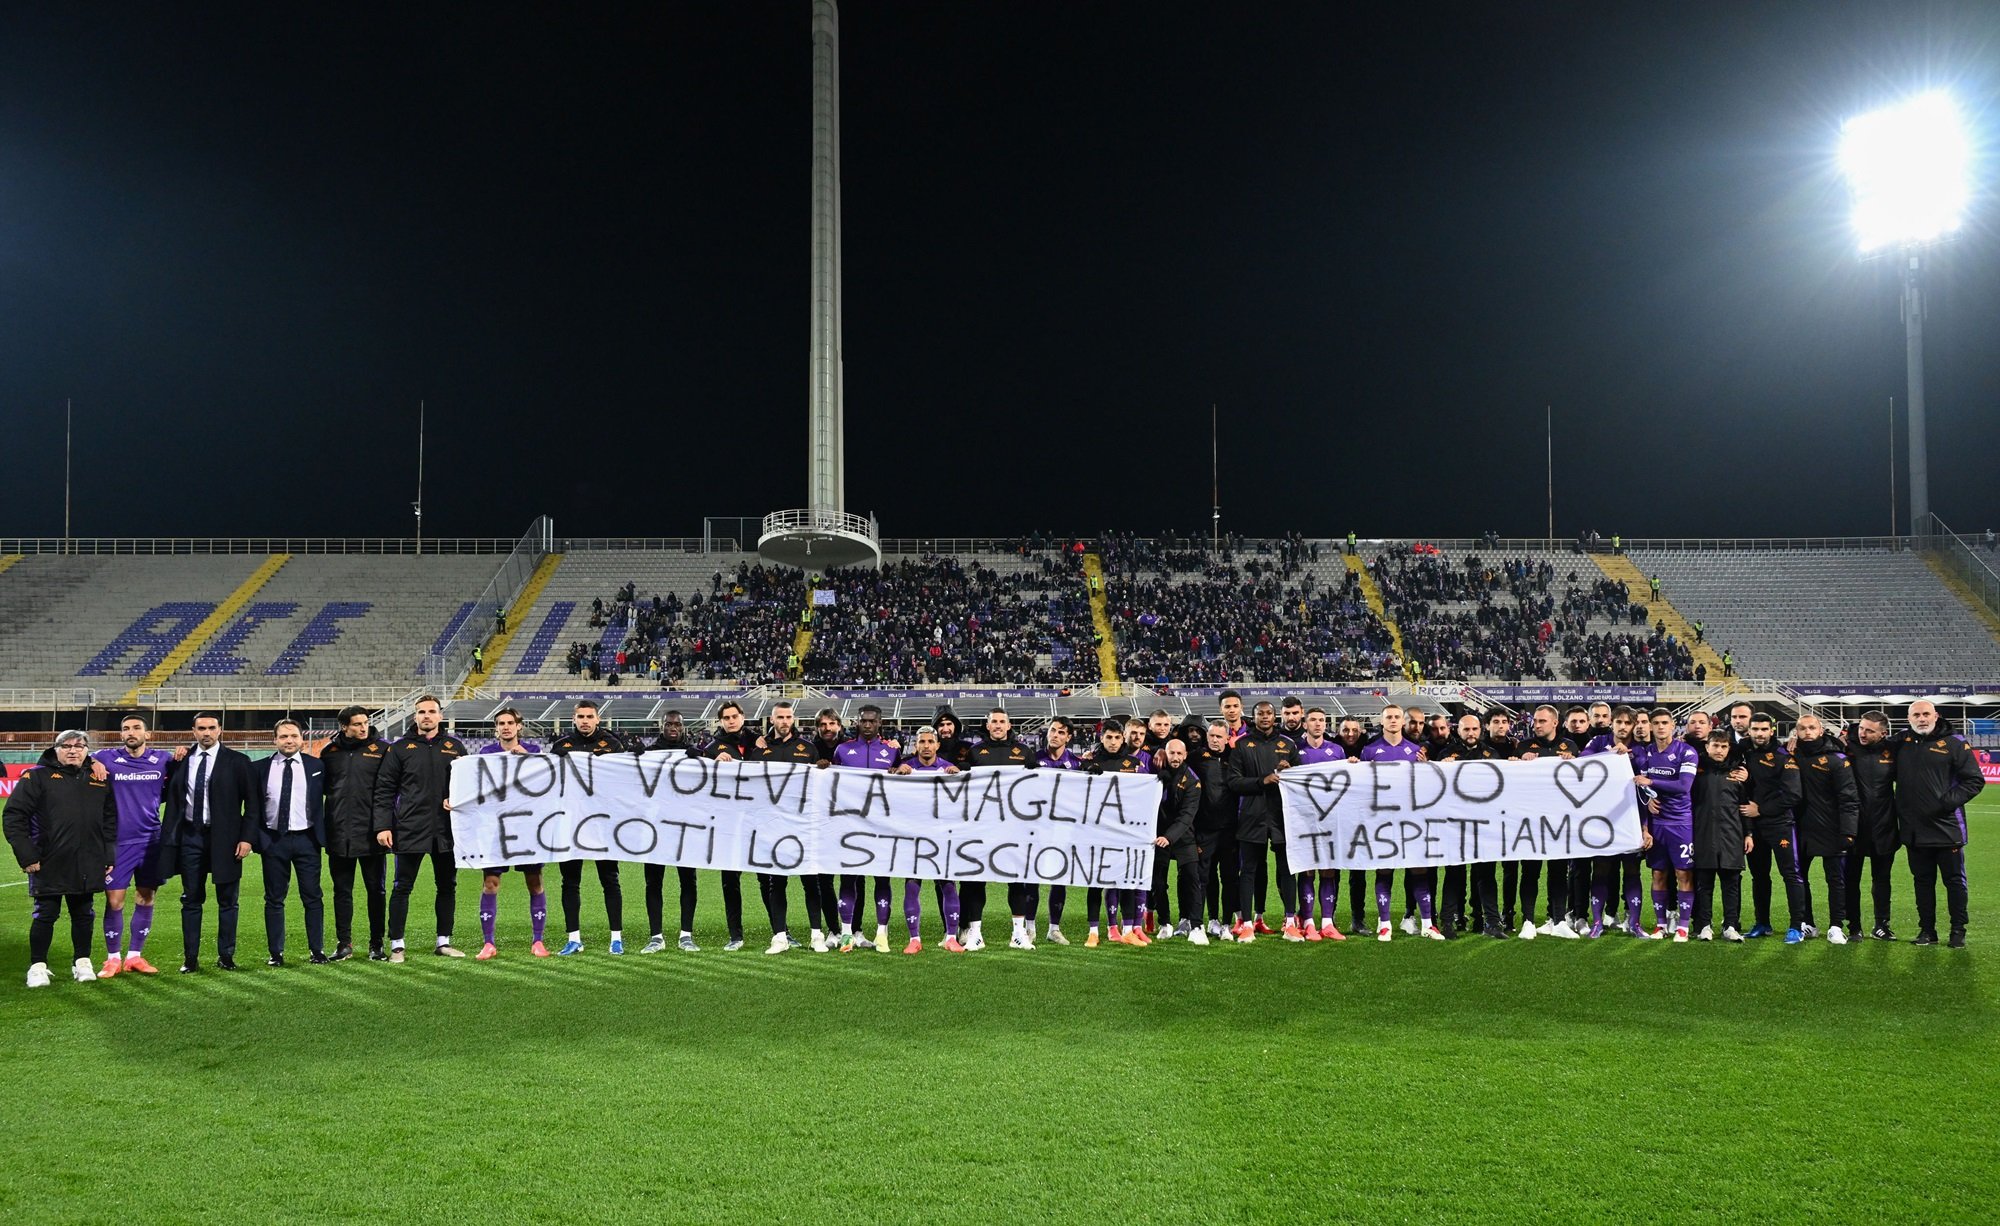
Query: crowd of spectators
949	620
1198	616
740	631
1184	611
1468	617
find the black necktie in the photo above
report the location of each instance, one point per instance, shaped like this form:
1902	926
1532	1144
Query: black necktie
200	802
285	800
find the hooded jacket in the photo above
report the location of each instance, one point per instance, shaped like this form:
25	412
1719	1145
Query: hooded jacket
1829	808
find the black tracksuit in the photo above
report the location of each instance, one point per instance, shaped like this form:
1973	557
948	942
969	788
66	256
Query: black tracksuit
1530	871
1936	777
741	746
1120	763
1718	843
602	741
656	874
1215	835
351	767
1260	818
1485	889
1022	897
410	791
1827	814
1774	788
1876	836
775	887
1180	809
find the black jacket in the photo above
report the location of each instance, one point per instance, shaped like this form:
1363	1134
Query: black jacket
1180	805
1874	773
1828	806
1561	745
67	822
1121	763
602	741
793	748
1477	750
1936	776
1218	803
351	768
410	792
1009	752
229	814
1718	816
740	745
1261	817
1774	789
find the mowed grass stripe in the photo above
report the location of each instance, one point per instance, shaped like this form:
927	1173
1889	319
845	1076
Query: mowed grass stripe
1474	1081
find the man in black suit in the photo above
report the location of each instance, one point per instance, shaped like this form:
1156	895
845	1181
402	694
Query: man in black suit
209	822
290	808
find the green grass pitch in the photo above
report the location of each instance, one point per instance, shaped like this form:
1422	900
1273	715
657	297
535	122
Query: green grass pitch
1476	1081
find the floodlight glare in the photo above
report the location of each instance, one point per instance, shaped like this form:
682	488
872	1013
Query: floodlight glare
1908	165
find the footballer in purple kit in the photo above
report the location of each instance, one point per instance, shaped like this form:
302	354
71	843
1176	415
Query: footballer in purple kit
1664	773
507	733
1392	746
138	775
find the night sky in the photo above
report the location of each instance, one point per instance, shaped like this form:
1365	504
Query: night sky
248	243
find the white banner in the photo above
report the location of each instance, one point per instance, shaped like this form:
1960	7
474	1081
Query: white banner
1051	827
1417	814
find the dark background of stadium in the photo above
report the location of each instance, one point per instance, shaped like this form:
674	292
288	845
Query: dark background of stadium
1380	241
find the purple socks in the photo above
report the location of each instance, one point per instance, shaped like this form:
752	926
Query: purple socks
142	923
951	908
114	929
913	906
538	912
1424	901
489	911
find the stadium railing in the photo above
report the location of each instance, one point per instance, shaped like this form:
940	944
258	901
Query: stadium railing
1963	560
148	545
448	665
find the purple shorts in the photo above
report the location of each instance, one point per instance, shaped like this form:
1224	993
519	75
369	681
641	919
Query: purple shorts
147	863
1673	848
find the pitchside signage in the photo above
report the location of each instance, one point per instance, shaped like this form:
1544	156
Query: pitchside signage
1417	814
1054	827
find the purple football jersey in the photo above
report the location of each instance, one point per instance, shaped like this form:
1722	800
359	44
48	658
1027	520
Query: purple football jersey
137	783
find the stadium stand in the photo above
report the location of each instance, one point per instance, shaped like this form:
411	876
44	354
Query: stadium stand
1179	615
105	621
970	617
1827	614
326	618
1523	615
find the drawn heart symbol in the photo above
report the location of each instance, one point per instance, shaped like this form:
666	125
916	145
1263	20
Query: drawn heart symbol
1334	784
1580	770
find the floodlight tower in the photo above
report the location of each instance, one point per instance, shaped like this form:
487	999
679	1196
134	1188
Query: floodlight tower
823	534
1908	165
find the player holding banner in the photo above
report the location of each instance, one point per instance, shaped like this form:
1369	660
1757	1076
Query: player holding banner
507	731
926	760
1664	774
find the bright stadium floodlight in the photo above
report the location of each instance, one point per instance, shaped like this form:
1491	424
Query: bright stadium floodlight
1910	169
1909	166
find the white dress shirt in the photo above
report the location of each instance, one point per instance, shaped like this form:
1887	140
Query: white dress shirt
274	787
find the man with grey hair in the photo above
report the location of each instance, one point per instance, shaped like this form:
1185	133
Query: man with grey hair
62	825
1936	777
